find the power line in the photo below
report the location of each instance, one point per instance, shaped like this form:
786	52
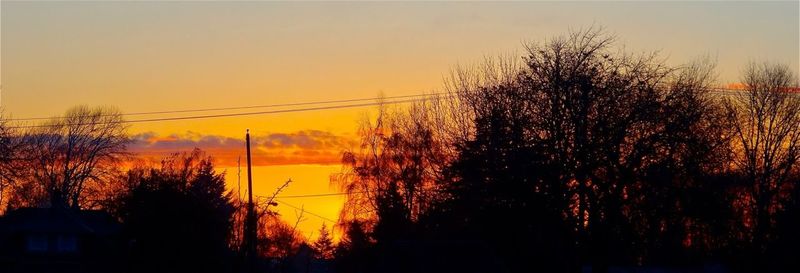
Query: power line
306	211
446	94
232	114
416	99
323	194
319	195
335	194
244	107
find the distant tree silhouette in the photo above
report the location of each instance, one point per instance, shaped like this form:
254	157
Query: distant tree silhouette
277	238
570	133
782	251
277	241
10	167
681	214
177	216
390	181
577	155
353	253
324	244
70	155
766	121
494	206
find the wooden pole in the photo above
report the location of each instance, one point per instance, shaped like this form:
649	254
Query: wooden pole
252	223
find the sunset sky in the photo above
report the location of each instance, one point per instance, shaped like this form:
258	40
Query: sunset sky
154	56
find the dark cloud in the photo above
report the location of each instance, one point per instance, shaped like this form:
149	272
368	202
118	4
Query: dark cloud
311	139
302	147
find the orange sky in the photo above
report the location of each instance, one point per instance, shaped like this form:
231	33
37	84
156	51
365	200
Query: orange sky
307	157
152	56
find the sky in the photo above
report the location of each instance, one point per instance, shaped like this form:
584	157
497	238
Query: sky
159	55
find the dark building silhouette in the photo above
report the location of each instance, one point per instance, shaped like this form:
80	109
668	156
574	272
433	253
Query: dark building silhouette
60	240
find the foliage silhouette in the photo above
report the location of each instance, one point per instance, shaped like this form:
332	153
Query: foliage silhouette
177	216
324	245
577	155
67	160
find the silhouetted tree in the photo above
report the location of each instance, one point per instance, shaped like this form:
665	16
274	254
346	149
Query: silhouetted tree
495	207
592	156
10	166
278	238
177	216
324	244
766	122
576	155
68	155
680	195
353	253
390	181
782	250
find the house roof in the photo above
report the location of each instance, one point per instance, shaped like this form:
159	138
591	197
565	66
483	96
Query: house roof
58	220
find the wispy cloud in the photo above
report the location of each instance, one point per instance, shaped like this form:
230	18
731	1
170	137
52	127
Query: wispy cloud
301	147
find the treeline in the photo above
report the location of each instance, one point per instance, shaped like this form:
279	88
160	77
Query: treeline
177	214
576	156
579	156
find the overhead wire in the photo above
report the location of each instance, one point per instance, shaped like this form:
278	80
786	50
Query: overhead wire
246	107
388	102
305	211
320	195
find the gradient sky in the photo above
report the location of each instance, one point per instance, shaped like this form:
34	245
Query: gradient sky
150	56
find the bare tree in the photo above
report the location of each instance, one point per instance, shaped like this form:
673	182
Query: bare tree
278	238
9	151
680	204
69	154
766	122
580	125
394	174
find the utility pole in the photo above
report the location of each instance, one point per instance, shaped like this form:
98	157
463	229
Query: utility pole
251	226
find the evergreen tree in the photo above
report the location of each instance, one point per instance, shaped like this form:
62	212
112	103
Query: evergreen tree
324	244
